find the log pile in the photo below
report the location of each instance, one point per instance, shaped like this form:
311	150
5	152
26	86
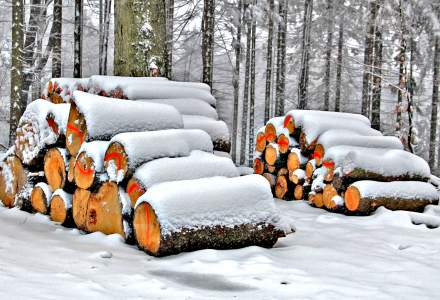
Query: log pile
87	160
336	161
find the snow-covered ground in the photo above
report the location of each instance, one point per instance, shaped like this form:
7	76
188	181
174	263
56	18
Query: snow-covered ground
331	256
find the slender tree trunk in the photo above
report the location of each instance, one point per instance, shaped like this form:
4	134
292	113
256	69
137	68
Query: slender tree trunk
77	41
170	31
339	66
17	104
58	25
377	81
236	80
137	46
281	59
305	54
410	86
328	55
101	36
208	23
244	118
269	62
434	105
368	55
107	16
252	92
402	76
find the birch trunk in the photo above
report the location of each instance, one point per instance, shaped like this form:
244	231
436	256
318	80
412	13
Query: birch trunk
77	40
208	41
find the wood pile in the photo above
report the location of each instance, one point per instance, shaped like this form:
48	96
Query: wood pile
336	161
92	162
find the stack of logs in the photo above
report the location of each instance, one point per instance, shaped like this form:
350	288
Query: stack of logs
336	161
85	160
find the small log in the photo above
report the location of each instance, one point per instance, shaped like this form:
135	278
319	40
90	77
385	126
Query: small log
366	196
273	157
55	165
80	203
289	124
89	163
134	190
270	169
61	208
328	193
209	226
272	179
270	130
301	191
336	203
40	198
296	160
284	189
316	199
13	179
258	166
261	142
23	197
60	90
189	106
307	148
310	168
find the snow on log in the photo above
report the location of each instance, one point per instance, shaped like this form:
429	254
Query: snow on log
198	165
13	179
295	160
215	213
127	151
272	179
55	166
314	126
328	193
80	202
43	124
217	130
285	141
274	157
108	210
188	106
339	137
294	119
98	118
336	203
60	90
365	196
260	140
89	163
270	129
298	176
40	198
61	208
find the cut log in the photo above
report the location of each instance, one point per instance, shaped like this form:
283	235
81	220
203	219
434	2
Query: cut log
40	198
198	165
261	143
274	157
217	130
71	170
285	142
60	90
289	124
271	129
283	172
316	199
272	179
336	203
42	125
310	168
55	165
189	107
93	117
297	177
61	208
258	166
105	211
284	189
270	169
168	222
127	151
365	196
80	202
13	179
23	197
328	194
296	160
89	163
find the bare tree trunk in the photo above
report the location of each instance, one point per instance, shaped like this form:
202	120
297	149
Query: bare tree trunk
339	66
402	73
281	59
434	105
305	54
170	31
368	55
410	86
208	40
57	25
77	41
377	81
252	93
101	37
245	115
236	80
269	62
107	16
17	104
328	54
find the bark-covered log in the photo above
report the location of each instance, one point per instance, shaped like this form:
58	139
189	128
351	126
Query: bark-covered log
13	179
23	197
55	166
327	195
43	124
61	208
365	196
89	164
60	90
270	169
93	117
40	198
296	160
316	199
310	168
189	107
160	231
80	203
284	189
197	165
272	179
127	151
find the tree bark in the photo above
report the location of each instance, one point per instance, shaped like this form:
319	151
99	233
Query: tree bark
252	89
107	16
305	53
208	23
77	41
339	66
170	37
328	54
269	66
57	25
281	59
377	81
434	105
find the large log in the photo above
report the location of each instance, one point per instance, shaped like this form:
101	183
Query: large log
93	117
274	157
271	128
60	90
285	141
198	165
327	195
217	130
189	107
80	203
284	189
13	179
175	217
43	124
40	198
61	208
272	179
127	151
55	166
260	140
301	191
365	196
89	164
295	160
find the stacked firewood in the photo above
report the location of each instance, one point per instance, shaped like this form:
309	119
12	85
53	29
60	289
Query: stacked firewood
338	162
134	168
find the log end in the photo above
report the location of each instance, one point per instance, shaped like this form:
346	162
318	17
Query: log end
147	228
352	198
55	169
134	190
116	162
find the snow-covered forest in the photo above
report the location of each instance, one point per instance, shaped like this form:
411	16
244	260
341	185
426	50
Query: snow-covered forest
321	54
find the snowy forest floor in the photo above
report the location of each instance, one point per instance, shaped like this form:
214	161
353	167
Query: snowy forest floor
383	256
